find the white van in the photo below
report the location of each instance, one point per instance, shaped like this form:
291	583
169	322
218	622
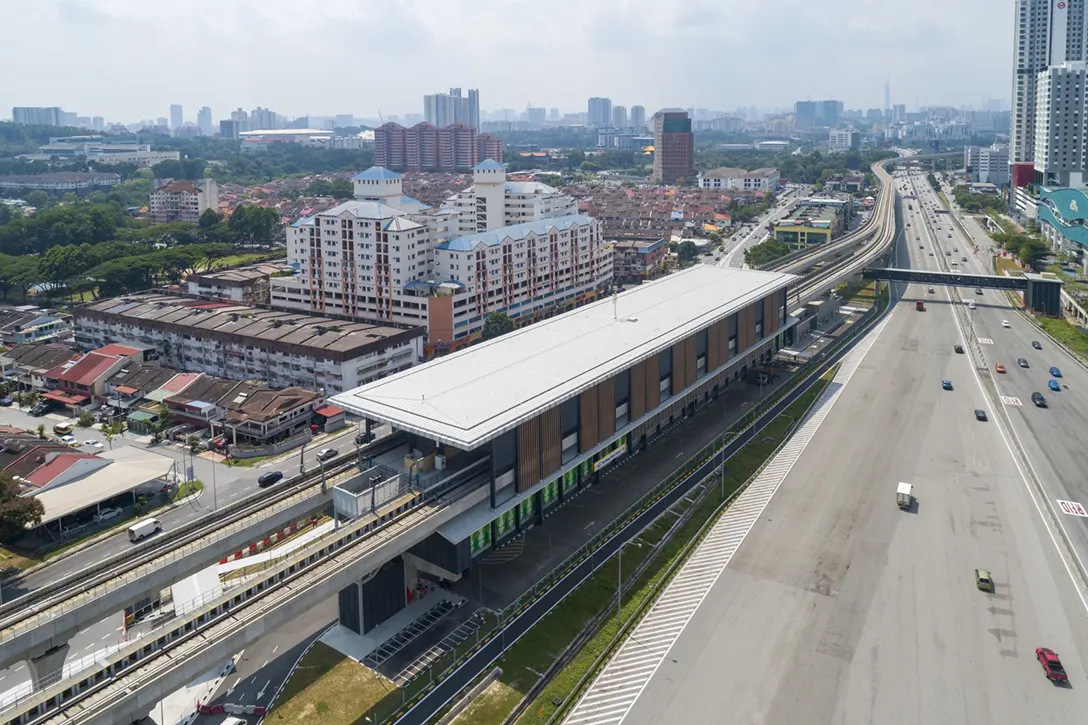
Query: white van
143	529
903	495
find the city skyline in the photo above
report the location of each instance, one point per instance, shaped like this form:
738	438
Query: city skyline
925	39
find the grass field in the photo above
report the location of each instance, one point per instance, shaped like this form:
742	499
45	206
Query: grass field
1069	335
531	656
329	688
1005	264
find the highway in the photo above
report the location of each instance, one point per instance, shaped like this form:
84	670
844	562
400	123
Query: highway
840	608
1053	438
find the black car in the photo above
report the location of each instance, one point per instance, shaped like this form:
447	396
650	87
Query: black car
958	349
268	478
980	415
1038	400
39	410
1037	345
1022	362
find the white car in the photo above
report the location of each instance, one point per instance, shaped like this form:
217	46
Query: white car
1005	323
107	513
93	443
69	440
970	305
327	453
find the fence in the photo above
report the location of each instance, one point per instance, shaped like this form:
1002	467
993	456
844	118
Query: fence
272	449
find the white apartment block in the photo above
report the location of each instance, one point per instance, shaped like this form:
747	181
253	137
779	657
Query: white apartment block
183	201
241	342
1048	33
987	164
740	179
389	258
1060	124
493	202
842	140
524	270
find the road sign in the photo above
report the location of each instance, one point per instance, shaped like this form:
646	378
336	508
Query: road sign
1011	401
1072	508
986	341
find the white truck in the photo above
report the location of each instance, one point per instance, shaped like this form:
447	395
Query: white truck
144	528
903	495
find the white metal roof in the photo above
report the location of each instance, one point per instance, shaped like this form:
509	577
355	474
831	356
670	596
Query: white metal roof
474	395
131	467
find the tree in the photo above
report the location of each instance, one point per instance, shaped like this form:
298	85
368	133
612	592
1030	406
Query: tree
687	252
496	324
765	252
159	426
86	419
209	219
17	512
41	431
37	198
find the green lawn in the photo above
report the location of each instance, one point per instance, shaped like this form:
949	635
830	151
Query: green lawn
1069	335
534	652
187	489
235	260
1006	264
329	688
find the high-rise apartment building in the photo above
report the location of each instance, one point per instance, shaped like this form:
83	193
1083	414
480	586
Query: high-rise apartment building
36	116
619	116
1059	149
674	146
492	202
386	256
987	164
177	118
446	109
204	121
1048	33
817	114
536	117
600	111
638	117
183	201
427	147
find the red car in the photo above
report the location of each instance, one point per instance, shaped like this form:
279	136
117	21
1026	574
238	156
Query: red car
1052	666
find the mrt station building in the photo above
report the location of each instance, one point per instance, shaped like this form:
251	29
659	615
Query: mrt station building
543	410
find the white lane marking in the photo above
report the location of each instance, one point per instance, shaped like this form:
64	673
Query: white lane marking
1072	508
986	341
231	688
1009	400
274	649
614	691
261	693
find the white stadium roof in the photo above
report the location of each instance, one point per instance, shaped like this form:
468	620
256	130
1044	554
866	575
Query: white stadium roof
474	395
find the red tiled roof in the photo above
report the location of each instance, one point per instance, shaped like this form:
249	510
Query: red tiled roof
87	370
125	390
47	473
328	411
117	350
62	397
179	382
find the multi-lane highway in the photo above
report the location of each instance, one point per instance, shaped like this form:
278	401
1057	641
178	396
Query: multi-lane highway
838	607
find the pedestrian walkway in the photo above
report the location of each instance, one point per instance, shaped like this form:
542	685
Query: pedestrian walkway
278	552
614	691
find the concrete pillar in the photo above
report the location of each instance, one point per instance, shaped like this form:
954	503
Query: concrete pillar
44	665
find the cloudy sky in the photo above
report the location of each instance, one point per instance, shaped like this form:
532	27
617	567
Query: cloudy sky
130	59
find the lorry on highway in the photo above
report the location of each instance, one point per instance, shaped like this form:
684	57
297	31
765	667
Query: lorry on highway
920	306
144	528
903	495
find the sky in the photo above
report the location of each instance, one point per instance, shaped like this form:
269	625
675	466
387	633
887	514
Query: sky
130	59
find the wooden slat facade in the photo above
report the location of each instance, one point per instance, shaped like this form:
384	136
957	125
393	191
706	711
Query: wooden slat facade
588	420
636	404
691	360
770	314
653	383
606	409
679	367
713	354
551	443
528	454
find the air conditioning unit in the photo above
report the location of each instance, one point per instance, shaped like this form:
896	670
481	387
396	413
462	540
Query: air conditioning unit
439	462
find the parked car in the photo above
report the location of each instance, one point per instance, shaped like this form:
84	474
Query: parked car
107	513
326	453
62	429
6	402
69	440
268	478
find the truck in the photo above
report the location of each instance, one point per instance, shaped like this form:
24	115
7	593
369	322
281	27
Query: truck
143	529
904	494
920	306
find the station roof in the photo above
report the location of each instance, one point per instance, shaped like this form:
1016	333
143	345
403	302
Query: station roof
474	395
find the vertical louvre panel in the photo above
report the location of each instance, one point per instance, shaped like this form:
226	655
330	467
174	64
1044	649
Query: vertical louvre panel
528	454
712	354
637	402
691	360
749	326
653	383
588	428
606	409
770	314
723	341
551	441
678	367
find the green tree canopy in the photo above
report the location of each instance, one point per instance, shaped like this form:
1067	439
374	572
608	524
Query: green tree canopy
496	324
17	512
